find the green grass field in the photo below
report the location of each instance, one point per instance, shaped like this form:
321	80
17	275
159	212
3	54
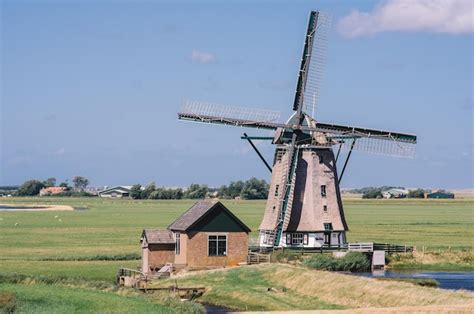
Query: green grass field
112	227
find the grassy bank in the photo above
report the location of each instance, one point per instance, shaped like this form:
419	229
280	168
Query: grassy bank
49	294
92	243
283	287
439	261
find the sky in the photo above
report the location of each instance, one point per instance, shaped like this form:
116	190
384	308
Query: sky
93	88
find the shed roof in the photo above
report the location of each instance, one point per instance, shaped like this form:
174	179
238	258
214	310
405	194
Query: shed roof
199	210
158	236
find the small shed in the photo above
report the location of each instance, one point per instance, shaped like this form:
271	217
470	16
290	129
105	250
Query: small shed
158	248
207	235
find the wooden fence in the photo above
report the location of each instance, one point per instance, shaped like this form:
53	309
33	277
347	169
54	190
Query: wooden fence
257	258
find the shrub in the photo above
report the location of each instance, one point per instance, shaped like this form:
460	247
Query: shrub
30	188
355	262
352	261
323	262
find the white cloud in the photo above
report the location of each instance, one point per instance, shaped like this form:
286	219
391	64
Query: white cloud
202	57
437	16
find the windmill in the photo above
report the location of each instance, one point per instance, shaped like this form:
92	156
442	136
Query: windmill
304	206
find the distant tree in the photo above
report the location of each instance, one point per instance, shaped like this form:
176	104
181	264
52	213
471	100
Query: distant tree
64	185
150	188
196	191
136	191
80	182
166	194
49	182
178	194
254	189
30	188
418	193
376	193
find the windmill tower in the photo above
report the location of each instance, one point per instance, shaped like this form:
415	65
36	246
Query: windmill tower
304	206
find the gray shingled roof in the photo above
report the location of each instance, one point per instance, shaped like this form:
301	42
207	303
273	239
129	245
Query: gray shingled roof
192	215
158	236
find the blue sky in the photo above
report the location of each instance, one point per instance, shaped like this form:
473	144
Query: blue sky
92	88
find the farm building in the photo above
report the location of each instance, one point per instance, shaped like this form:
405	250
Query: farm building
440	194
395	193
116	191
206	235
52	190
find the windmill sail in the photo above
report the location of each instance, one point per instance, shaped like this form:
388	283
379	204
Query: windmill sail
312	63
230	115
370	140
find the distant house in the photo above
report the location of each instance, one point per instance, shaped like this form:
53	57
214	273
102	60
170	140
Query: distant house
116	191
395	193
440	194
52	190
206	235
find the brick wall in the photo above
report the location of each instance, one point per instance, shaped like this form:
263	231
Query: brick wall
197	250
159	254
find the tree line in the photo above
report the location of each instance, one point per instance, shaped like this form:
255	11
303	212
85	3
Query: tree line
250	189
33	187
377	192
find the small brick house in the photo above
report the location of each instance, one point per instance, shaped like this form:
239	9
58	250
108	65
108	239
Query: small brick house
206	235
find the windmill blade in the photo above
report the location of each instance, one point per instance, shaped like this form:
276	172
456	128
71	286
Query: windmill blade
229	115
370	140
312	63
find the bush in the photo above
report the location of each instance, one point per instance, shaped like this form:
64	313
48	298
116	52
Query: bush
352	261
418	193
355	262
30	188
74	194
372	194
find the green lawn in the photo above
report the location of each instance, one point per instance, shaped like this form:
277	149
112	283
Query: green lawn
41	298
112	227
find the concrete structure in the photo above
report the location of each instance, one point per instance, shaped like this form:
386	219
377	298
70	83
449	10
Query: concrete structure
116	191
206	235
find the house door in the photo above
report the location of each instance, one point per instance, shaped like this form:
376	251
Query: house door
327	238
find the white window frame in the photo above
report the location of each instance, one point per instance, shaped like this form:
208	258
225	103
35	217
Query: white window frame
297	238
217	244
177	246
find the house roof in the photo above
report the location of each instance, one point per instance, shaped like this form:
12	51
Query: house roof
54	189
198	211
158	236
122	188
396	191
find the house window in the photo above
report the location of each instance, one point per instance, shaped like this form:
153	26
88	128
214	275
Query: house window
288	238
328	226
277	187
325	208
177	248
297	238
305	239
321	159
323	190
217	245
